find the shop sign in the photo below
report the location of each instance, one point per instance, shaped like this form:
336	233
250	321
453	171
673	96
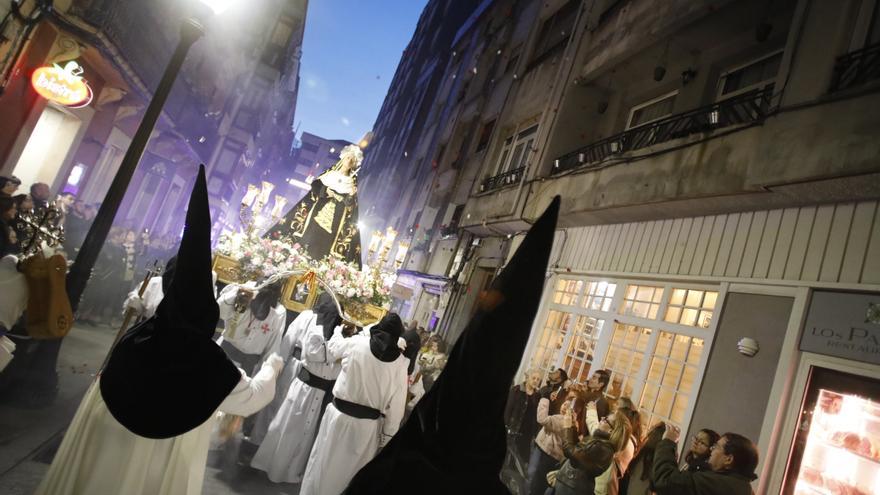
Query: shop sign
62	85
844	324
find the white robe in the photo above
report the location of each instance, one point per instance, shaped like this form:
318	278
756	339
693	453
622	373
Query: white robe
151	298
285	450
246	333
345	444
292	338
99	456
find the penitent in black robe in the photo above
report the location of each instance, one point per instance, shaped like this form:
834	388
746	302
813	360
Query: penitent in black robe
323	222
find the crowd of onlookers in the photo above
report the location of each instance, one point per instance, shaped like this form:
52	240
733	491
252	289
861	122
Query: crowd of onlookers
124	258
566	438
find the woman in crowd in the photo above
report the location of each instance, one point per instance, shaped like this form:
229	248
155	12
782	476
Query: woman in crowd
432	362
697	459
547	449
521	414
624	444
585	459
637	480
626	404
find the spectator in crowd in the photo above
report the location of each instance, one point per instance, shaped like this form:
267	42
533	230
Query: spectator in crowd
637	480
626	406
433	361
596	386
76	226
547	449
103	295
556	389
624	446
40	195
8	239
585	459
23	206
521	414
8	185
732	464
697	458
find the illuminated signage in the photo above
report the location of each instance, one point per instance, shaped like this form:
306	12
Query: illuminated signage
63	85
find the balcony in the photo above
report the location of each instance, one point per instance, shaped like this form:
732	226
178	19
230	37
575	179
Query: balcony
502	180
856	68
746	109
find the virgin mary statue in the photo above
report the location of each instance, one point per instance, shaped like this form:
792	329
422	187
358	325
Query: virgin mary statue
325	221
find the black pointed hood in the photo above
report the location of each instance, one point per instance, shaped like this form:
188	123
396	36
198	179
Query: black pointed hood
456	435
166	376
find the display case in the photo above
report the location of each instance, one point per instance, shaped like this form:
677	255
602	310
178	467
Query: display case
837	445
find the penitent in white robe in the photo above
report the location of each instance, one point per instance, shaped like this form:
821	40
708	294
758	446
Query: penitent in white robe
345	444
244	332
292	339
285	450
99	456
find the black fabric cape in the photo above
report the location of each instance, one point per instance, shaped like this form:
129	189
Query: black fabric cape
166	376
455	440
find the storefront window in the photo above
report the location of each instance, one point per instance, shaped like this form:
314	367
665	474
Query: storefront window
624	359
650	336
599	295
671	377
691	307
642	301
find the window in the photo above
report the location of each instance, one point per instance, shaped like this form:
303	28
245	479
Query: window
624	359
515	153
652	110
282	33
582	348
567	291
691	307
555	31
550	340
672	378
599	295
310	147
485	135
642	301
649	336
755	75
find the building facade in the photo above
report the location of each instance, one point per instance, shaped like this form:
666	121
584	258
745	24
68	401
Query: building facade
121	49
717	163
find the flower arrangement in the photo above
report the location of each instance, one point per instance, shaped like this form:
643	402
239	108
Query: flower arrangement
260	257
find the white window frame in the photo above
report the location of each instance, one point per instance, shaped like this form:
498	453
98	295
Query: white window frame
509	145
613	316
648	103
758	85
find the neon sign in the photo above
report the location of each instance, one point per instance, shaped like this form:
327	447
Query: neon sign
63	85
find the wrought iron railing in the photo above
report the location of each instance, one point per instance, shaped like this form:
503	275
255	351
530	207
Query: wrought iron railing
856	68
501	180
748	108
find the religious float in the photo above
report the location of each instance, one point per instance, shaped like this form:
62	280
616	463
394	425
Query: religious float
316	246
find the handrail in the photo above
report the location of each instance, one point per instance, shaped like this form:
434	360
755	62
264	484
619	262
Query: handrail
506	179
856	68
748	108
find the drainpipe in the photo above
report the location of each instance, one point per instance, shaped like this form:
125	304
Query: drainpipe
550	113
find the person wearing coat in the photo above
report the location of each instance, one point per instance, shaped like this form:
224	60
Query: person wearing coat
733	461
584	460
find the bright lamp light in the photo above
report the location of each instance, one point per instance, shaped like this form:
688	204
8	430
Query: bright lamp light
218	6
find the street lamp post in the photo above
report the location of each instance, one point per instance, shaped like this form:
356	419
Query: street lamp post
91	247
43	388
